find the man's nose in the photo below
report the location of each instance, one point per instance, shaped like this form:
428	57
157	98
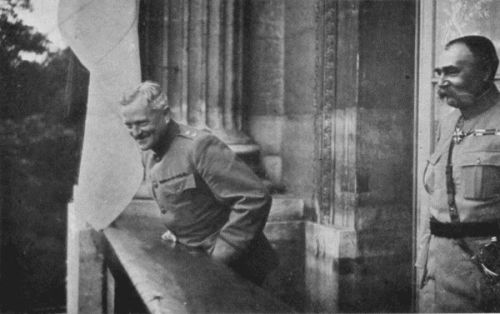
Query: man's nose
135	130
443	81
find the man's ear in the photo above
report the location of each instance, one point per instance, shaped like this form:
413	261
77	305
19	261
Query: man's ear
487	74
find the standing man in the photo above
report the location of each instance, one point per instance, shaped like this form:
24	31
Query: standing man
459	254
209	198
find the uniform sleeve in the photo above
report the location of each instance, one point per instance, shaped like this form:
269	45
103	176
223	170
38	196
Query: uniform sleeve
424	230
425	234
233	183
423	247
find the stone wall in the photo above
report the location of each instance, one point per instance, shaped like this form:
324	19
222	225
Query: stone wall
279	89
298	129
358	238
263	83
385	158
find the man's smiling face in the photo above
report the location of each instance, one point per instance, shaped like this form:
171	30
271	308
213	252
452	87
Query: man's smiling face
144	124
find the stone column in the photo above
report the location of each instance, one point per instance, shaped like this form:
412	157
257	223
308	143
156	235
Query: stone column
196	67
265	81
194	49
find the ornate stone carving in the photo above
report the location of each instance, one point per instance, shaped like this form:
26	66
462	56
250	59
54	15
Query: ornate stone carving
325	102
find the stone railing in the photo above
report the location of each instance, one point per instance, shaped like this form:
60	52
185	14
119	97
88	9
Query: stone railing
127	268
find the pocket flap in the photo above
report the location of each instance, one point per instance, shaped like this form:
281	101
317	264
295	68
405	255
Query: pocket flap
180	184
479	158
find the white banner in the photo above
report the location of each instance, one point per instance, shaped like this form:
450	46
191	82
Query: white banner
103	34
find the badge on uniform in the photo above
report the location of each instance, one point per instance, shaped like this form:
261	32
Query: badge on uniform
459	135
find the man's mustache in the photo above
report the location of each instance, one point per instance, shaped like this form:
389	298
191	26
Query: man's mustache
442	93
142	135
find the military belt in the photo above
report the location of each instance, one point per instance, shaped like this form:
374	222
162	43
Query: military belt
464	229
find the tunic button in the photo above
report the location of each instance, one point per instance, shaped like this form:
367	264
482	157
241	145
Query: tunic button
155	184
163	210
478	161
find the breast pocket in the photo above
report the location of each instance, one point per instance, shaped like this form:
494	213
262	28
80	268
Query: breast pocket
480	174
174	191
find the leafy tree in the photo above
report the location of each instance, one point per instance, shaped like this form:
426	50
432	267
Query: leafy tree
15	37
43	157
39	153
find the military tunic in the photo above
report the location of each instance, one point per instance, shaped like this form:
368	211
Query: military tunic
211	200
452	282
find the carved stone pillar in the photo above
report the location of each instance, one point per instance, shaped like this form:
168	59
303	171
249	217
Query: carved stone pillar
338	112
364	151
194	49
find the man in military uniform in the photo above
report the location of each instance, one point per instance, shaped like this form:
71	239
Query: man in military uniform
209	198
459	251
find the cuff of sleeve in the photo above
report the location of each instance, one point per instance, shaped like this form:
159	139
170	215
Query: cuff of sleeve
224	251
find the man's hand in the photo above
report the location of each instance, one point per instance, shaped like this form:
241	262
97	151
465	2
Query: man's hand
224	252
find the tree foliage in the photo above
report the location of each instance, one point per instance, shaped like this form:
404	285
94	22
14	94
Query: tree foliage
38	166
15	38
41	156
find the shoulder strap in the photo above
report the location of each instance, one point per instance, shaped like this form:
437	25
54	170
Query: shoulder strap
450	185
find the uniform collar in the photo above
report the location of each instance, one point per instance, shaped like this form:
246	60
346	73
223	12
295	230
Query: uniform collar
484	102
171	131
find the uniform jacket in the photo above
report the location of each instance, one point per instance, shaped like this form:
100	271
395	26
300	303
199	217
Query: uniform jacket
455	280
476	165
210	199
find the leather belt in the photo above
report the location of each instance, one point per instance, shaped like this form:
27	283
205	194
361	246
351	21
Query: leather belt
464	229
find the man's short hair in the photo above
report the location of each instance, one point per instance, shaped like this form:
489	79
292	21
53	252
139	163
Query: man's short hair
483	50
151	92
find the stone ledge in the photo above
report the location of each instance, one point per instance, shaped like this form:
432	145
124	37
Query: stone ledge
330	241
174	279
286	207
